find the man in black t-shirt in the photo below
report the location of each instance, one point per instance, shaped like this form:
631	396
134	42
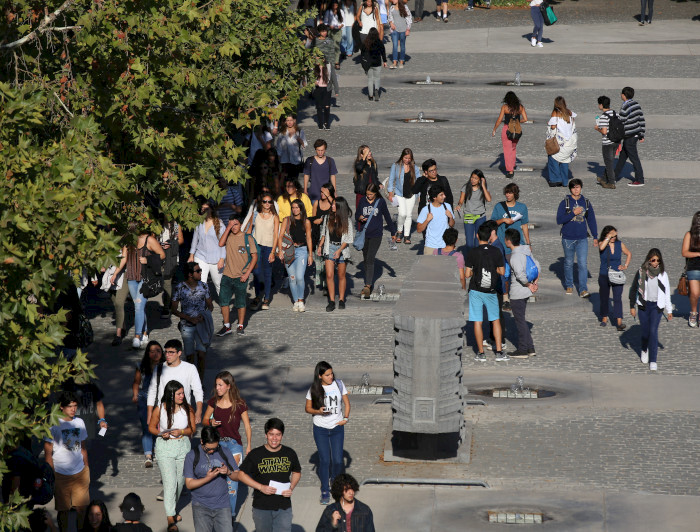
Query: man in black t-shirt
273	471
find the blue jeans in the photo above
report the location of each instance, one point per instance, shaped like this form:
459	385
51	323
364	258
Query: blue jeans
296	271
396	40
347	45
629	149
140	326
234	447
329	443
558	172
262	275
538	21
272	520
580	248
211	519
649	319
146	437
470	232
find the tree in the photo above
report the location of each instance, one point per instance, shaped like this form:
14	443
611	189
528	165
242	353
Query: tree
113	111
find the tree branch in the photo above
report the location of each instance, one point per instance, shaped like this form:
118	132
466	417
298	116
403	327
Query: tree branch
42	28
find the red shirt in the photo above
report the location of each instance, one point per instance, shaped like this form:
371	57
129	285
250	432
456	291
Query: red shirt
229	424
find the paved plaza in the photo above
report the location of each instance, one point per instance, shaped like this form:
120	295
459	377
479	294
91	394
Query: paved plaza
617	448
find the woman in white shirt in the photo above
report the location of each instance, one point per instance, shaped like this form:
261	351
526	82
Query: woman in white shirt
323	402
347	44
368	17
651	293
563	126
205	249
333	18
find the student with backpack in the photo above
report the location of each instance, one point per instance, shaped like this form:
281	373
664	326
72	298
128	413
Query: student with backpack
435	217
610	126
511	115
450	237
484	266
474	195
524	274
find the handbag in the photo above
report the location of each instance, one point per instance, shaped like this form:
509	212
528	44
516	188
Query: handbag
683	288
551	145
288	255
616	276
359	241
548	15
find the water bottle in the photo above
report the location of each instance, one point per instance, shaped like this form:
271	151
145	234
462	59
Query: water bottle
381	290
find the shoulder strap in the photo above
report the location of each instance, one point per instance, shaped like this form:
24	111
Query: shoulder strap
196	458
159	370
568	208
505	208
223	457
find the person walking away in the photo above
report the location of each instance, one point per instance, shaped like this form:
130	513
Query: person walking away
170	239
327	401
273	486
318	170
632	116
691	252
347	513
609	147
474	194
611	251
450	238
538	21
322	96
521	288
649	295
402	177
434	219
400	21
337	235
511	110
562	126
576	216
374	55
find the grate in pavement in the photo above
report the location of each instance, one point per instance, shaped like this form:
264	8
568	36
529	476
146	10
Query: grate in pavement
515	518
508	393
359	389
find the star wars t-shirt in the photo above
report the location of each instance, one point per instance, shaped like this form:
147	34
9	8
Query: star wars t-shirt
263	466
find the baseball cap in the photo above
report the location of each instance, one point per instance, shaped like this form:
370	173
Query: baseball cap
131	507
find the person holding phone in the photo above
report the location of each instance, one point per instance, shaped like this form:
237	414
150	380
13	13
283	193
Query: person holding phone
225	411
323	402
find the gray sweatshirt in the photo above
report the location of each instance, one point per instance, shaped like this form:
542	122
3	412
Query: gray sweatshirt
518	276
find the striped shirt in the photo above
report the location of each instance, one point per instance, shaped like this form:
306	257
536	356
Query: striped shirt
604	123
633	118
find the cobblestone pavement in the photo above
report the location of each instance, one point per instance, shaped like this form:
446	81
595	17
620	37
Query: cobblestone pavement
650	449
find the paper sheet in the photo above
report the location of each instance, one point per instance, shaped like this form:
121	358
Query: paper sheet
280	486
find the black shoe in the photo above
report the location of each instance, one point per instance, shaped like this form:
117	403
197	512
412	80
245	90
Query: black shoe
320	127
371	98
506	307
117	340
330	307
531	352
603	323
621	327
341	304
224	331
240	331
376	95
552	185
518	354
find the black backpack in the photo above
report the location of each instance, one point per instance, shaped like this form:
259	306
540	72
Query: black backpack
38	478
487	277
616	128
153	280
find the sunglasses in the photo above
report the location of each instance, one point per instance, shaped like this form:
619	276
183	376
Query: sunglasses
653	260
197	271
210	451
267	201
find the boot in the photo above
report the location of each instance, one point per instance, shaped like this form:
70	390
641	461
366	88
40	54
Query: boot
376	95
319	117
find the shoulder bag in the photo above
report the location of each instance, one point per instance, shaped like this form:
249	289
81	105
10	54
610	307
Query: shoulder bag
616	276
359	242
551	145
683	288
287	246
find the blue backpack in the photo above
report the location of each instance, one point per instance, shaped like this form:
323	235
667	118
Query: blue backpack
531	271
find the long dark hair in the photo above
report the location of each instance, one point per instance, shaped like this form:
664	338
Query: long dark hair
145	365
286	196
338	220
259	204
654	252
512	101
302	213
403	11
695	232
330	188
339	14
168	401
320	71
480	174
605	232
408	151
212	213
372	39
373	187
234	395
317	392
105	525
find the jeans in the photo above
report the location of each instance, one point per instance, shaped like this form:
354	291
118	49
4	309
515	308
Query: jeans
509	147
405	214
524	337
470	231
558	172
649	319
604	287
580	248
629	149
347	44
146	437
538	20
373	77
234	447
140	325
262	275
396	40
296	271
213	270
329	443
211	519
369	253
171	462
272	520
609	162
646	3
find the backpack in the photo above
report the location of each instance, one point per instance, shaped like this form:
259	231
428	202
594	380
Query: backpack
531	271
218	451
449	254
515	131
152	280
487	277
568	210
41	475
247	248
616	128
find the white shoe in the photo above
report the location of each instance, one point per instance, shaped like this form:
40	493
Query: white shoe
135	343
539	45
645	357
486	343
144	340
302	307
533	41
295	307
652	366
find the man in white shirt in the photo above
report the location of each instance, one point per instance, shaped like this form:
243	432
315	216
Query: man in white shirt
175	369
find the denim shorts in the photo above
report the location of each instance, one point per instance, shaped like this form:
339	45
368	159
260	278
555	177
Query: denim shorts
693	275
477	301
332	248
191	340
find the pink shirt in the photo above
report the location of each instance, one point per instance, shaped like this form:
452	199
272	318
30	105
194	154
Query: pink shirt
456	254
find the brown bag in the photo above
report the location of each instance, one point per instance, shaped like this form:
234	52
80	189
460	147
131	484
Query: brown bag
551	145
683	283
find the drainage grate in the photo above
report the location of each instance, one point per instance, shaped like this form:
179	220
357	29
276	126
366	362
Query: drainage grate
383	297
359	389
516	518
509	393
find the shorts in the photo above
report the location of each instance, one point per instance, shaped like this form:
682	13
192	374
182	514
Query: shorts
72	491
332	248
440	2
191	340
233	288
693	275
477	301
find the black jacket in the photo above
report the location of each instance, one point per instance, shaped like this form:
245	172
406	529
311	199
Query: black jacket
361	519
376	54
421	187
365	173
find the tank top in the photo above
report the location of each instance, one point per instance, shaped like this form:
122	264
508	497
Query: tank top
508	116
693	263
610	260
298	233
264	229
368	21
179	419
133	263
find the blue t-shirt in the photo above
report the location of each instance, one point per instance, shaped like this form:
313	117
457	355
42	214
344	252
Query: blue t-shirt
499	212
436	227
213	494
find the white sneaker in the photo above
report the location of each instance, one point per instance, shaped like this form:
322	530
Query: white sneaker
144	340
652	366
486	343
533	41
302	307
645	357
295	307
135	343
539	45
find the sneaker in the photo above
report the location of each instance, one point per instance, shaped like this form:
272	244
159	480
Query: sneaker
117	340
603	323
585	294
645	357
501	357
652	366
444	19
569	291
265	305
325	498
341	304
255	304
392	66
692	320
621	327
144	340
301	307
295	306
531	352
400	65
224	331
518	354
240	331
503	346
160	497
506	306
330	307
635	184
135	343
470	8
533	41
486	343
149	462
480	357
641	23
540	45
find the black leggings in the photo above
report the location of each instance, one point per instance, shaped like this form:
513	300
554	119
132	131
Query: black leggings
369	253
322	96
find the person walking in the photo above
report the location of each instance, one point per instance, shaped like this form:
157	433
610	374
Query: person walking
337	235
265	228
318	170
333	18
272	505
609	147
225	411
450	237
474	195
347	43
372	205
327	401
172	422
374	57
170	240
635	126
290	146
321	209
691	252
650	295
205	249
132	509
429	178
434	219
538	21
609	279
368	18
347	513
322	96
562	126
152	357
576	216
511	109
400	21
97	518
646	15
326	45
299	228
208	469
366	172
511	214
402	177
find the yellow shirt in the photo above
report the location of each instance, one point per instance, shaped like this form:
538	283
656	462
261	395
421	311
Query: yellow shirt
285	207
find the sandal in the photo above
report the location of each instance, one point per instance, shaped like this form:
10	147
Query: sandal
407	240
337	66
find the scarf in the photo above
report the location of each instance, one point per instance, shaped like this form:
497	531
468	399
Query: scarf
644	273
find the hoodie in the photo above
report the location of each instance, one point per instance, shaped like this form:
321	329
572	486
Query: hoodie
518	276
